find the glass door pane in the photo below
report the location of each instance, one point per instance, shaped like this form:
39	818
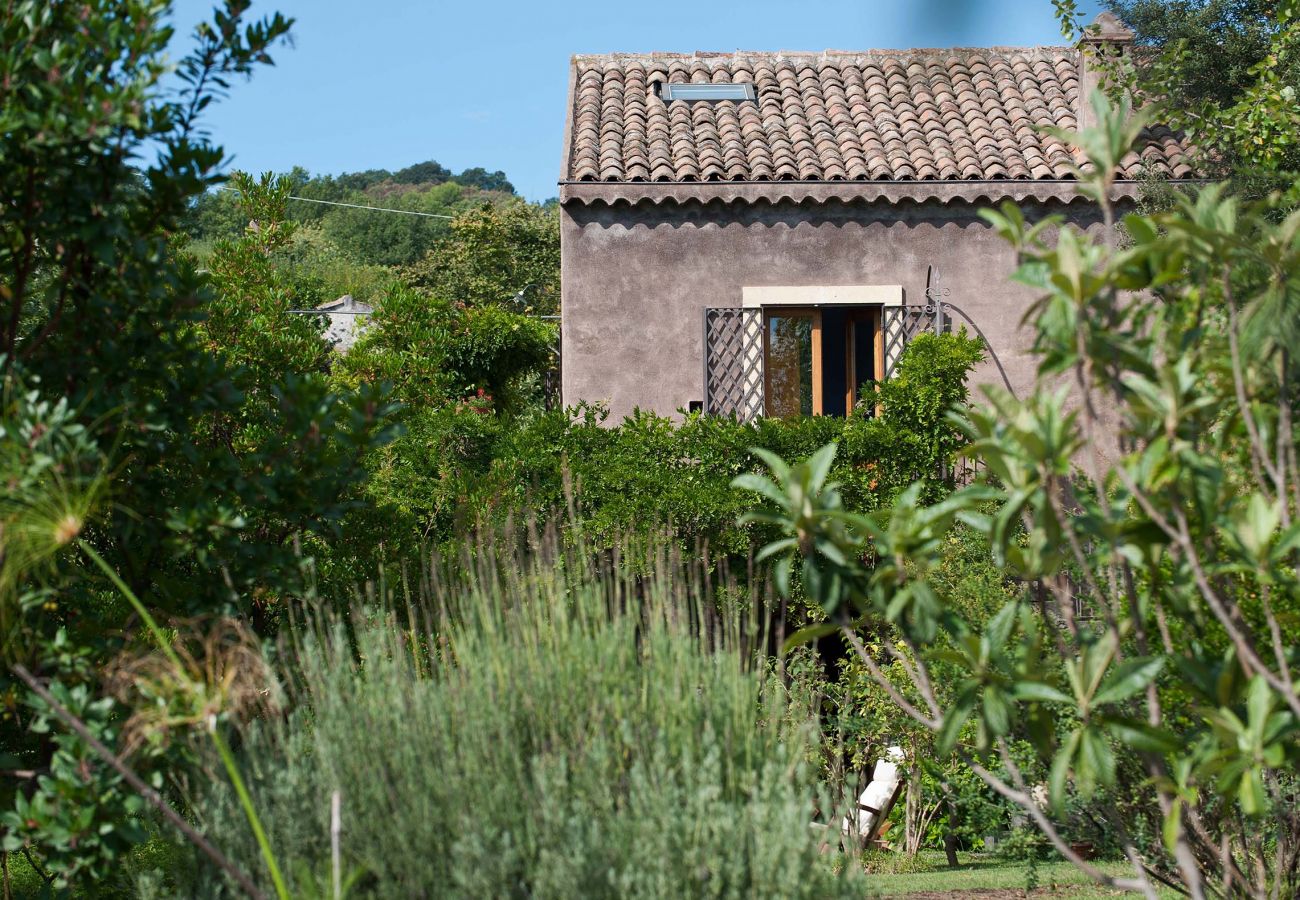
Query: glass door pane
863	354
792	364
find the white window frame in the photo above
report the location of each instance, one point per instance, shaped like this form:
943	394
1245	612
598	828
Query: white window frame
823	295
776	296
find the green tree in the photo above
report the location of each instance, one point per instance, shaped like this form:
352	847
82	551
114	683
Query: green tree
1225	72
1165	644
481	178
293	445
365	237
494	252
248	322
100	309
461	375
427	172
1220	42
106	385
212	216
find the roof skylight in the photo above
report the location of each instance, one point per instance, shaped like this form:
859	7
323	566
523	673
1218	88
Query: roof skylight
695	92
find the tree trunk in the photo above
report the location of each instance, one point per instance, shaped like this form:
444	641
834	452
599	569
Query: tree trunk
912	814
949	831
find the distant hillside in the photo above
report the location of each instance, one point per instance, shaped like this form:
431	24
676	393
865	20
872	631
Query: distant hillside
363	236
500	245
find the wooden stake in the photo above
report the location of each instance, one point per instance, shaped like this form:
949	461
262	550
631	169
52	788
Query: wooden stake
336	826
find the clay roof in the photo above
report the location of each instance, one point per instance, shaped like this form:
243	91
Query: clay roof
877	116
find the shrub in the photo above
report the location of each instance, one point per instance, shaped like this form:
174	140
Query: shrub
651	472
434	352
1154	678
557	729
223	441
863	718
495	350
477	448
323	273
460	374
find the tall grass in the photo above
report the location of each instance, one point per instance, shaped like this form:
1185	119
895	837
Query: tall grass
538	725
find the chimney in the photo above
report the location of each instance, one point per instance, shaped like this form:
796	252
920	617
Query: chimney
1106	38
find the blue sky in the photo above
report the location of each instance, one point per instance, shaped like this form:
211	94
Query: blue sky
387	83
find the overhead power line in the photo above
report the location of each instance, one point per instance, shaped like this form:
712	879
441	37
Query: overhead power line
403	212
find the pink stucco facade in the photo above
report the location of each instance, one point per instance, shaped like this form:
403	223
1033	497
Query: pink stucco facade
638	275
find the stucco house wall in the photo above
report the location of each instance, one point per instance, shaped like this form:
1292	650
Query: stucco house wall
637	280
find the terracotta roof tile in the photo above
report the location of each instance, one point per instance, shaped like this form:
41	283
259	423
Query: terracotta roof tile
923	115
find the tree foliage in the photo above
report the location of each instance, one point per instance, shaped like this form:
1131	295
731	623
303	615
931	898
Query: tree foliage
389	239
1225	72
110	396
461	374
365	237
100	309
1167	570
248	320
1220	43
292	442
493	254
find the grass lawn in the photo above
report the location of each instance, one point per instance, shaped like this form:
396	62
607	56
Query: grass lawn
930	874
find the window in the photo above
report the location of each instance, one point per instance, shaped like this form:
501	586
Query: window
822	345
802	350
792	353
695	92
819	360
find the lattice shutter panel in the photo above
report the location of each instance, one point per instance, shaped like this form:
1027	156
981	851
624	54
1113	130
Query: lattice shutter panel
899	324
733	362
